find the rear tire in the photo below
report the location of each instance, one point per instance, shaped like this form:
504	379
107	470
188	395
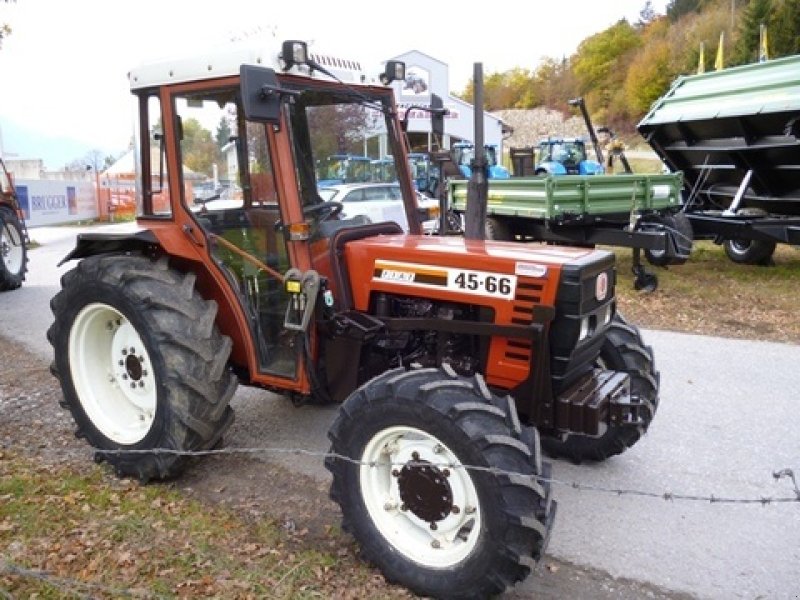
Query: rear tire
13	253
429	525
141	363
750	252
680	228
497	229
623	350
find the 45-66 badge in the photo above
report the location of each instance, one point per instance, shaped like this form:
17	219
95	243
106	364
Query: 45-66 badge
468	281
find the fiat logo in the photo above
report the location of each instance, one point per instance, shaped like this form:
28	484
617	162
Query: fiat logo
601	287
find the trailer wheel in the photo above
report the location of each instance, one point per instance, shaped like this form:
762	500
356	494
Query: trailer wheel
680	228
141	363
750	252
13	253
623	350
497	229
428	524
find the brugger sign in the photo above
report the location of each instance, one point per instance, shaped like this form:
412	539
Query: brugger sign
53	202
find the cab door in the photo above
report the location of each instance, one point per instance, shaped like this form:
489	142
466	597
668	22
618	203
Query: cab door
230	185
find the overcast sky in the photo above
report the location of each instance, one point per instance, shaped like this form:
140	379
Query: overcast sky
63	69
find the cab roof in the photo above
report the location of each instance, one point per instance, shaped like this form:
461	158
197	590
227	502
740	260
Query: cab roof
226	61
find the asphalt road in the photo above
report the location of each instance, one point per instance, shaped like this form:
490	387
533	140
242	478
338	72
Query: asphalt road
728	420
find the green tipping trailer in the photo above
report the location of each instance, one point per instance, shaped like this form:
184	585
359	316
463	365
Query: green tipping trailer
637	211
735	135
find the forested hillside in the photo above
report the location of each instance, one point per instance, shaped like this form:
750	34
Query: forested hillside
620	71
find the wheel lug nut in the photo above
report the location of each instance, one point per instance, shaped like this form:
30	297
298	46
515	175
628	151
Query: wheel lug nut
437	449
133	384
403	507
469	509
124	376
395	473
434	527
446	472
133	350
121	363
389	506
144	373
436	544
124	352
415	455
141	384
455	510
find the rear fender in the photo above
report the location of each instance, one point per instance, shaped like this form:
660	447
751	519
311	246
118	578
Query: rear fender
91	244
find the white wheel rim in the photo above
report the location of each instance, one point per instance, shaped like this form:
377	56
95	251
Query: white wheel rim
11	248
455	535
112	373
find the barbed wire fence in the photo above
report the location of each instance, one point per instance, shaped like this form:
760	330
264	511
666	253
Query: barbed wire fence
668	495
74	587
83	589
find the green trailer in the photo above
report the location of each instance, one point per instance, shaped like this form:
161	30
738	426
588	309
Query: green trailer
735	135
638	211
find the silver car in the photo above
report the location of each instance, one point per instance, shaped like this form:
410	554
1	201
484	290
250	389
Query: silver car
378	202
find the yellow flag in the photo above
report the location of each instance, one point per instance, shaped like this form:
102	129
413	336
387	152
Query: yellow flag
719	63
763	52
701	62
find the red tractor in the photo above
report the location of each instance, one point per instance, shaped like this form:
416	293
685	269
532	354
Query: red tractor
449	357
13	235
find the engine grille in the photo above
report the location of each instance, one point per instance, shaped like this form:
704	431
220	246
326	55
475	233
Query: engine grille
572	356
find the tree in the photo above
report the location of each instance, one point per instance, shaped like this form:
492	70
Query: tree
5	28
93	160
198	149
223	135
600	66
646	15
784	29
756	14
678	8
649	76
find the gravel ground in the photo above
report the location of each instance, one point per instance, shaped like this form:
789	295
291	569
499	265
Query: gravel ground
33	424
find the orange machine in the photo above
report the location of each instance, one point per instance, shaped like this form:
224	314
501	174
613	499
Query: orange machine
443	352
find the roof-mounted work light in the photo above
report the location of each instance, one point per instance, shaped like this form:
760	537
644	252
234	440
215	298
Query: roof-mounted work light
294	52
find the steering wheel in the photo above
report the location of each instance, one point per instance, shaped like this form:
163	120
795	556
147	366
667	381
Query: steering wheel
327	209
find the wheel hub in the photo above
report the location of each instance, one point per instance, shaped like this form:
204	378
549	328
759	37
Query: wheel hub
425	491
422	503
113	375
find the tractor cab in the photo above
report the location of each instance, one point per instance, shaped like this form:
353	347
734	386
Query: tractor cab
269	213
464	156
565	156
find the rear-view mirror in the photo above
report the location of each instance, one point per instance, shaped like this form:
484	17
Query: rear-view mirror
261	98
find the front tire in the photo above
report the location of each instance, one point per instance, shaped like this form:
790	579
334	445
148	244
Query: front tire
623	350
428	524
13	253
141	363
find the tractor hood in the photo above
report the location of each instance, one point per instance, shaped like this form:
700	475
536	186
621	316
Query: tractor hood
472	271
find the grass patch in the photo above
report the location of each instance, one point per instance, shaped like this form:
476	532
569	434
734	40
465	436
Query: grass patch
92	534
712	295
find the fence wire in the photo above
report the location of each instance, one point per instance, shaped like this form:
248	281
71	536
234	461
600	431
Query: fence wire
667	495
87	590
74	587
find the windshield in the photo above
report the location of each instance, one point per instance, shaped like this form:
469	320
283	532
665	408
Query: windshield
562	151
340	136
